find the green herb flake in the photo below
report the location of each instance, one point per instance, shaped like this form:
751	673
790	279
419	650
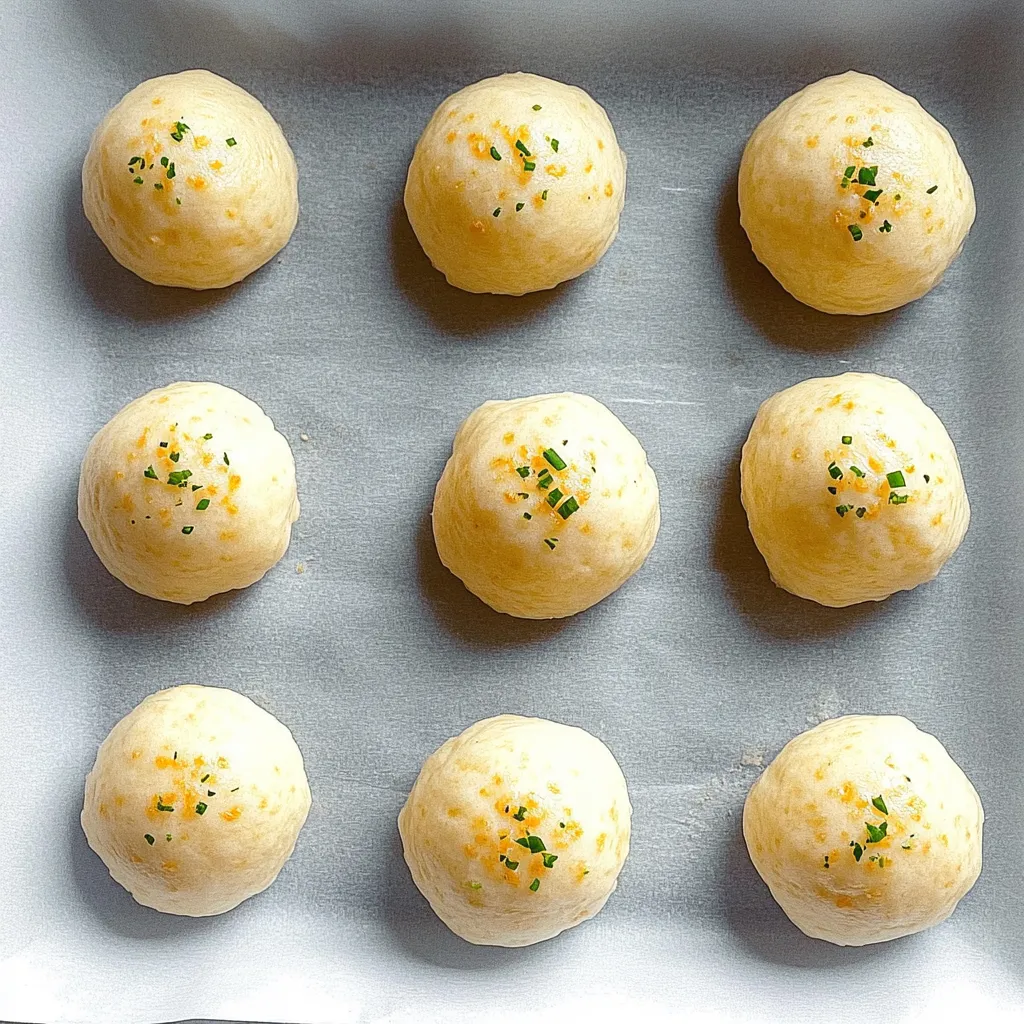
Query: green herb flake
927	478
898	499
136	160
550	455
551	542
522	149
554	497
161	806
174	456
529	165
519	206
861	512
196	487
549	859
876	833
834	471
535	885
474	885
886	227
520	814
526	515
211	792
532	843
568	506
495	155
236	789
554	145
167	836
536	106
511	864
879	804
855	231
179	130
207	437
187	530
203	505
832	490
847	439
150	473
496	212
826	862
857	471
896	479
137	180
897	197
872	194
205	777
929	191
868	142
149	839
544	195
544	479
843	509
866	175
170	171
523	471
858	851
159	186
178	477
906	846
177	200
163	444
227	461
850	171
231	141
200	808
163	161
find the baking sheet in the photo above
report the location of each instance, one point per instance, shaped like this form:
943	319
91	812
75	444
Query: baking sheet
695	673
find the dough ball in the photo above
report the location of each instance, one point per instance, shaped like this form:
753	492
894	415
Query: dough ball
854	196
516	185
195	800
187	492
190	182
546	505
517	829
852	489
864	829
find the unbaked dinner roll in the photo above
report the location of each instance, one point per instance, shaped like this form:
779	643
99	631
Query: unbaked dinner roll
516	185
546	505
517	829
852	489
864	829
195	800
854	196
189	181
187	492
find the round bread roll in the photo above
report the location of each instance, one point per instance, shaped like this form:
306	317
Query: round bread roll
864	829
852	489
517	829
516	185
195	800
190	182
854	196
187	492
546	505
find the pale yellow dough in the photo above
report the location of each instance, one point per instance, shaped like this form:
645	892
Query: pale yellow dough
798	212
806	827
486	218
517	829
874	535
198	206
179	515
502	510
196	800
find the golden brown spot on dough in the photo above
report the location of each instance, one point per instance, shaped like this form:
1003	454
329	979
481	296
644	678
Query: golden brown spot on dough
229	505
608	190
136	859
222	762
835	400
127	503
944	839
558	170
819	773
454	812
136	754
216	165
538	200
166	762
509	438
937	520
479	146
553	788
844	901
811	142
158	101
477	225
875	464
233	481
103	810
230	213
170	866
613	813
851	119
849	406
200	141
233	814
196	181
797	454
601	840
263	804
451	136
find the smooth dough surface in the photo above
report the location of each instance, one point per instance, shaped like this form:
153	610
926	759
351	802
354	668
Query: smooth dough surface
541	535
840	521
864	829
828	239
190	182
516	185
196	800
517	829
187	492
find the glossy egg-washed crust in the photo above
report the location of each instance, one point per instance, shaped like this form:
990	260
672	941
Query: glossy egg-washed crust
864	829
195	800
828	238
479	797
187	492
545	535
190	182
831	518
516	185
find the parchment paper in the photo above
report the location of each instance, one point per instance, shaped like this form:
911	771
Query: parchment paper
695	673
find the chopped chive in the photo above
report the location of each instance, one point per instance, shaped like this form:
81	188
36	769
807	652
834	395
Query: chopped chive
163	444
519	206
529	165
236	789
159	186
847	439
849	172
898	499
187	530
857	471
568	506
549	859
861	512
474	885
511	864
496	212
550	455
200	808
544	195
879	804
163	161
170	171
554	497
536	106
868	142
532	843
832	490
522	149
886	227
495	155
876	833
178	477
177	200
855	231
544	480
150	473
927	478
843	509
526	515
137	180
523	471
895	479
149	839
196	487
203	505
520	814
834	471
136	160
174	456
873	193
522	494
535	885
205	777
929	191
551	542
161	806
858	851
210	792
554	145
207	437
231	141
227	461
866	175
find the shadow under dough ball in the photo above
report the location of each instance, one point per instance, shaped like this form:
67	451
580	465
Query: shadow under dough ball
854	196
516	185
852	489
190	182
187	492
517	829
546	506
196	800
